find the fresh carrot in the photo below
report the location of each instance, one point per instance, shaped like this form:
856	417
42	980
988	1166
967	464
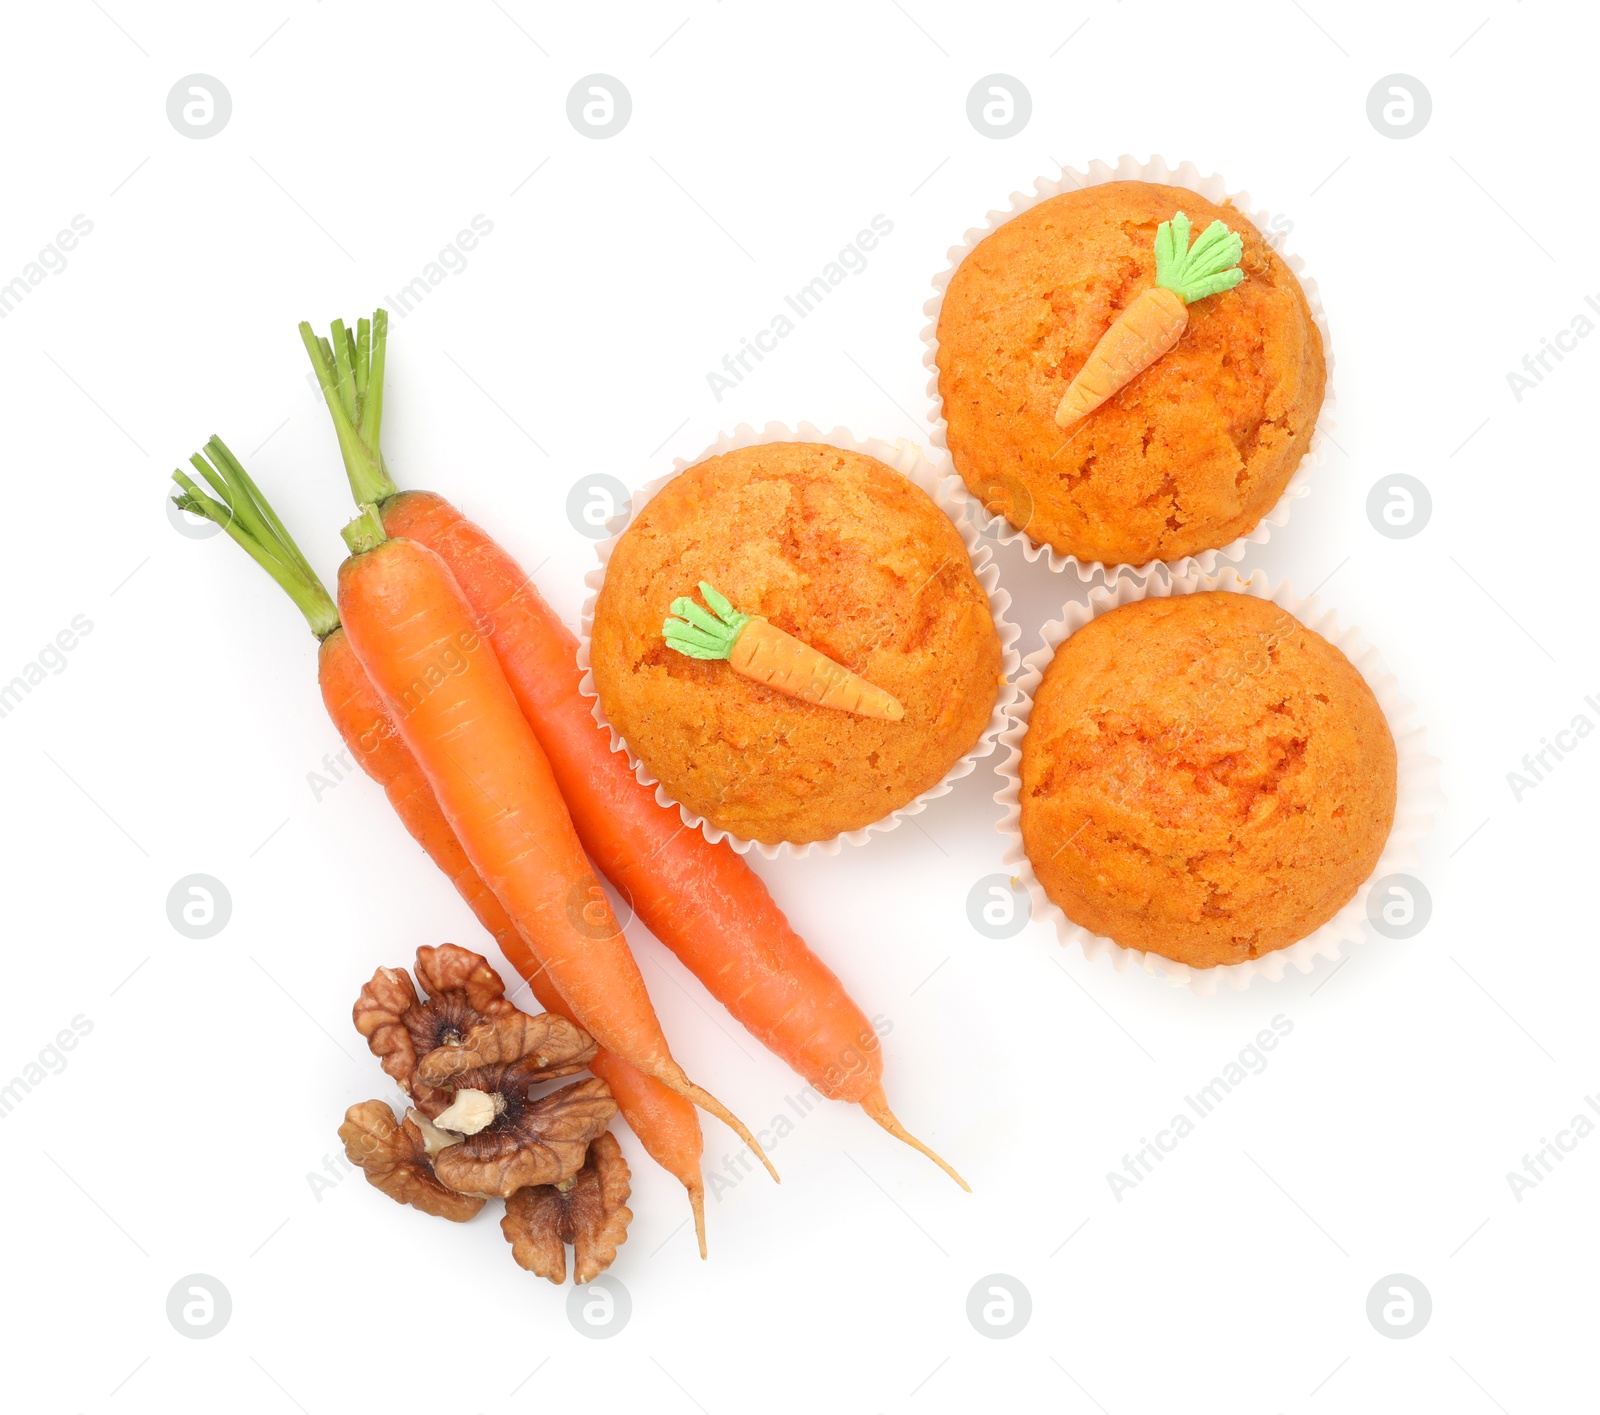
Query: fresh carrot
419	640
666	1124
701	900
1154	320
772	656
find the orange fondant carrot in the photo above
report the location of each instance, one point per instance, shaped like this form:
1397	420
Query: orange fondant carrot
1154	320
773	657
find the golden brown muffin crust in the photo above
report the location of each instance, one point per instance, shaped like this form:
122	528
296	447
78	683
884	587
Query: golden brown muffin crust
851	558
1204	777
1195	451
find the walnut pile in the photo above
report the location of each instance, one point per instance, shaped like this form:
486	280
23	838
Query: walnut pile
471	1063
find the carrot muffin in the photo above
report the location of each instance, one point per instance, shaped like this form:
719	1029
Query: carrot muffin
852	562
1204	777
1188	455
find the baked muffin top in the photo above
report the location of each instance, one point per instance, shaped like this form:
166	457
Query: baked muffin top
851	558
1204	777
1195	451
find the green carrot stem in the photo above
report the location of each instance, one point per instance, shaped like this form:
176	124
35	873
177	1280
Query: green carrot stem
372	422
350	373
272	531
365	532
244	513
363	355
342	361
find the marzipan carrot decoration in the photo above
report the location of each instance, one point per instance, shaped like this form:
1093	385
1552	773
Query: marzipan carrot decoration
772	657
667	1125
701	900
1154	320
419	641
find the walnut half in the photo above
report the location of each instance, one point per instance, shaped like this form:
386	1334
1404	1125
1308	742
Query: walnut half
509	1138
395	1156
461	989
528	1141
590	1211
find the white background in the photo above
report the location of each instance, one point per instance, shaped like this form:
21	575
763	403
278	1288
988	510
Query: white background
180	1135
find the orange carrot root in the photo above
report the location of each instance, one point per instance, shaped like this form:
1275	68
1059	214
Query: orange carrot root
712	1106
697	1202
403	612
666	1124
876	1104
699	899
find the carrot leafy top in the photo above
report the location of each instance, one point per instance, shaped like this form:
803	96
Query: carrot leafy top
1208	267
237	505
350	373
699	634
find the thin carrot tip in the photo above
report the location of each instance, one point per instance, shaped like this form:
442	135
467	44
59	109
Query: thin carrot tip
708	1102
697	1202
876	1105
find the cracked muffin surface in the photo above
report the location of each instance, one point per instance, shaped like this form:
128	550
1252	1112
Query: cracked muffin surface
1204	777
845	554
1189	456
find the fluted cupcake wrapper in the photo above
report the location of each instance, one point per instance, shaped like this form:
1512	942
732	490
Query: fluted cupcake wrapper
950	497
1418	796
1274	229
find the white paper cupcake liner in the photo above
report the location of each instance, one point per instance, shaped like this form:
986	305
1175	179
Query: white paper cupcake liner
949	495
1418	797
1273	228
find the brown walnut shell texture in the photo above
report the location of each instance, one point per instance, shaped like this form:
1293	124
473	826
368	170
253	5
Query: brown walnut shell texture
590	1212
531	1141
394	1157
542	1048
461	990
